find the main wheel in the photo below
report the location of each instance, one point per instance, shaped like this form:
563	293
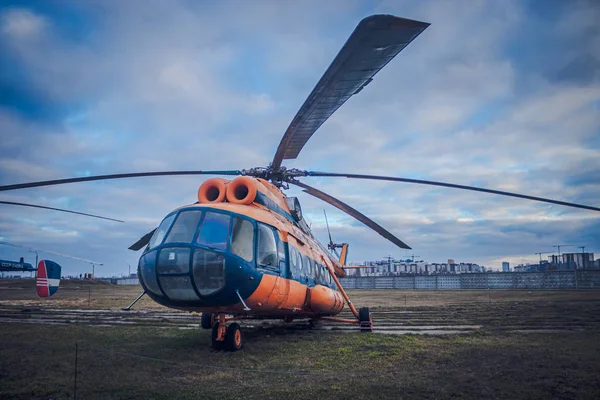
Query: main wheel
217	345
233	337
206	320
365	319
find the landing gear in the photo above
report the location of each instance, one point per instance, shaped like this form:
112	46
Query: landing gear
207	320
365	319
226	337
216	343
233	337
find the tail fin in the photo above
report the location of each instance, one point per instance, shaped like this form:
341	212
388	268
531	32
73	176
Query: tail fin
344	254
47	278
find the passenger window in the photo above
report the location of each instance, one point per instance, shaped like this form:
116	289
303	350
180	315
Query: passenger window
161	231
306	262
293	257
215	230
299	260
267	247
242	239
185	227
280	251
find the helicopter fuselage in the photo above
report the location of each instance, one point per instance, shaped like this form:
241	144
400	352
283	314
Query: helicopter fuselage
249	260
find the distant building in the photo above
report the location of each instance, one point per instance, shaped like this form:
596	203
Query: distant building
505	266
578	260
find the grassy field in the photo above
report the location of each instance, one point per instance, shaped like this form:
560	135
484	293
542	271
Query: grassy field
140	362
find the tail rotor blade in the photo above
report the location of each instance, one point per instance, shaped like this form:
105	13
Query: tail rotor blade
328	231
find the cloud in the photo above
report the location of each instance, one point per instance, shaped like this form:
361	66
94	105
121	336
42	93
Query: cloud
22	23
493	95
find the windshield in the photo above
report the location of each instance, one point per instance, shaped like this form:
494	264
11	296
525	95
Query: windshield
184	227
215	231
161	231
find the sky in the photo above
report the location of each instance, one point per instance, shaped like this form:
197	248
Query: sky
503	95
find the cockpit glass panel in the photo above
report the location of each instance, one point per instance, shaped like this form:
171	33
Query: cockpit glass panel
209	271
174	260
147	272
178	287
161	231
242	239
267	247
185	226
215	231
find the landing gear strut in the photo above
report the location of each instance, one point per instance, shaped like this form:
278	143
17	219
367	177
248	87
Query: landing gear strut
226	337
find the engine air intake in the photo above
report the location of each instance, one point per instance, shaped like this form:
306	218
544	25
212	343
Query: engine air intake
213	191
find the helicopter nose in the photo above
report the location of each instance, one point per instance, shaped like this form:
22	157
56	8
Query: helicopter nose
182	273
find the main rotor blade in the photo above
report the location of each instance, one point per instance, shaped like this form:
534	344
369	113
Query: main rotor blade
113	176
58	209
352	212
51	252
452	185
375	42
144	240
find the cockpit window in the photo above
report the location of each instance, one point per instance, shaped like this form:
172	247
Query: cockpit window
242	239
161	231
184	227
267	247
215	230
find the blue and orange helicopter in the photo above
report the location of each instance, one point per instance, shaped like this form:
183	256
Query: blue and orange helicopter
244	250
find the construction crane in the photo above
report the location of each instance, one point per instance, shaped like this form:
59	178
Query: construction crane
559	246
543	252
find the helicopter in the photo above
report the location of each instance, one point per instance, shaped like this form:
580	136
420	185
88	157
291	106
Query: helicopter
243	250
47	272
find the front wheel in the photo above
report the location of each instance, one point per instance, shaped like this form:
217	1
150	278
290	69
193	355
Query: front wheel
233	337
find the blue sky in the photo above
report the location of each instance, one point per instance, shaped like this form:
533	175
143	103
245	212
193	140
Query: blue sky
504	95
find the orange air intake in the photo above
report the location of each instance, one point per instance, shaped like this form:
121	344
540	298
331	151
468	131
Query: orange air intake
213	191
243	190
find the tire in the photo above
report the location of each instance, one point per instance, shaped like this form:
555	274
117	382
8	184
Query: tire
206	320
364	319
215	333
364	314
233	338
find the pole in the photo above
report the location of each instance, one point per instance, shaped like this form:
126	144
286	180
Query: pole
75	377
